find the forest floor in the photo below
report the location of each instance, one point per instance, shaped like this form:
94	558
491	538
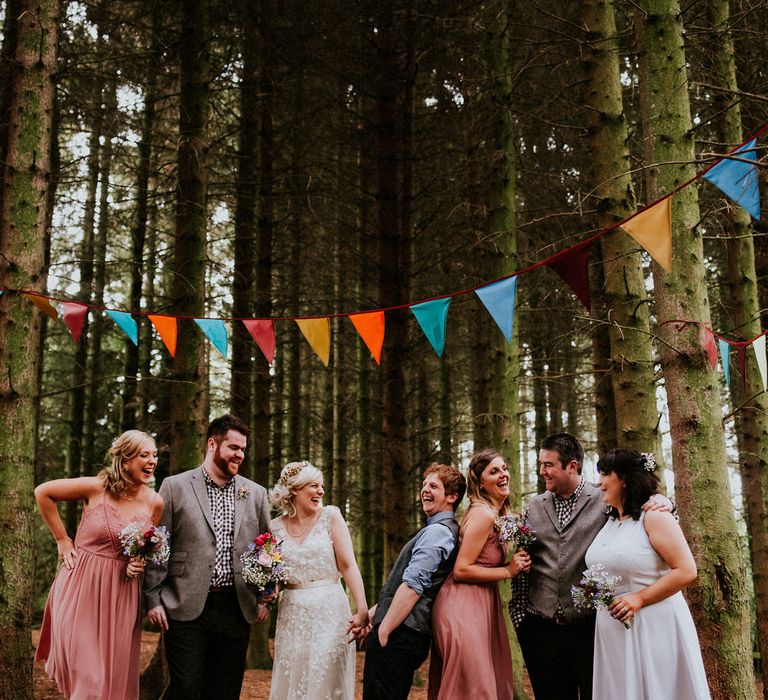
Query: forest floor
255	686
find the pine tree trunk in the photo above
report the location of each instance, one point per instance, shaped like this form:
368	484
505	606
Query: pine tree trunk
188	287
631	359
30	34
718	598
750	401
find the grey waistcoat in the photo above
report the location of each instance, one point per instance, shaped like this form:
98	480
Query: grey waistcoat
558	554
420	617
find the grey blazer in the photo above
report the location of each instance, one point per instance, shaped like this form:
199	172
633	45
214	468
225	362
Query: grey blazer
557	556
182	584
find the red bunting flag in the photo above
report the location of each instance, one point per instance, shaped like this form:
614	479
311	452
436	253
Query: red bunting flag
572	266
74	316
707	341
262	330
370	326
166	327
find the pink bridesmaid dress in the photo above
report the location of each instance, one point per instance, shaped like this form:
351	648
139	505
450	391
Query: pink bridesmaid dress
91	634
470	652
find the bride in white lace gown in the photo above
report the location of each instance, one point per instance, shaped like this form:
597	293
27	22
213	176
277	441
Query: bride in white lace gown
314	642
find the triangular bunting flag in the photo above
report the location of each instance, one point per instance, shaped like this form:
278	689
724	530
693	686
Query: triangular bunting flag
166	327
737	179
74	316
707	340
262	330
725	356
43	304
370	326
127	323
572	265
317	331
652	229
215	331
759	346
432	317
499	299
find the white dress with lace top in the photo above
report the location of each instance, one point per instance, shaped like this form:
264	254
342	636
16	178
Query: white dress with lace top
313	658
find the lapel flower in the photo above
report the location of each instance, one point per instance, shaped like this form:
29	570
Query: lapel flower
242	493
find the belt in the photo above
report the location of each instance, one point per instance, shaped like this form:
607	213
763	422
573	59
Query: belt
219	589
312	584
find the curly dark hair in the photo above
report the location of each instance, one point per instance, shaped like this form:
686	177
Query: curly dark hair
639	483
219	427
567	446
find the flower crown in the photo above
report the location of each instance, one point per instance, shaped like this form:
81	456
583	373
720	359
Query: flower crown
292	471
649	461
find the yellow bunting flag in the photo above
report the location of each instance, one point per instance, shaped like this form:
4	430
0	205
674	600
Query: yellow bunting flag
166	327
317	331
652	229
370	326
43	304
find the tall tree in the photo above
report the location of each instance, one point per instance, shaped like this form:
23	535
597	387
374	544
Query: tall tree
187	390
26	109
719	597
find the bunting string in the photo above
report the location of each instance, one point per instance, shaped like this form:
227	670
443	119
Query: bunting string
734	173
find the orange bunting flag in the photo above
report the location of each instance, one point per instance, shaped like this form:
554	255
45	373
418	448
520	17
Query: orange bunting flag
652	229
43	304
370	326
317	331
166	327
74	316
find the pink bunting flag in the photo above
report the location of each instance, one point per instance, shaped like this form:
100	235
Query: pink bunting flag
573	266
707	340
262	330
74	315
652	229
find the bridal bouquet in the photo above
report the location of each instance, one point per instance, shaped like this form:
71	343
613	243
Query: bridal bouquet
516	531
151	544
263	564
595	590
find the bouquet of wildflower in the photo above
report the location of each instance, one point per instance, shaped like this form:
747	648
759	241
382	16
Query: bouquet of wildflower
263	564
516	531
151	544
595	590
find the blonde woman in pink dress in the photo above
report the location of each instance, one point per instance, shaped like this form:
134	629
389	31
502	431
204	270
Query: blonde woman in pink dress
91	635
470	653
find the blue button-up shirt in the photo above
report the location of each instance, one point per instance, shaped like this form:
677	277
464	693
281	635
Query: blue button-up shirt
433	547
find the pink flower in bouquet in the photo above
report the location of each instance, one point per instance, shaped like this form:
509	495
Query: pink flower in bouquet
263	564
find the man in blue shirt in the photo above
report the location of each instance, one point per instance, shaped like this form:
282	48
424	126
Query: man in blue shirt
401	619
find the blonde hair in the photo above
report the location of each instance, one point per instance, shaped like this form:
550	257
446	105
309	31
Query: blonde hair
124	447
293	477
475	492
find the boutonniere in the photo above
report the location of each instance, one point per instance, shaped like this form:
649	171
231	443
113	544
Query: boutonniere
242	493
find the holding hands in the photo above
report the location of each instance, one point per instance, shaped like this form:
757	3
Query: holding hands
359	626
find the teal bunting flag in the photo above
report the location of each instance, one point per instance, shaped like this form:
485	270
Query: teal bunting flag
432	317
738	180
725	355
499	299
127	324
215	331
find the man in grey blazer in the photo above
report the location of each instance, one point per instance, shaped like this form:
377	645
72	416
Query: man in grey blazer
199	597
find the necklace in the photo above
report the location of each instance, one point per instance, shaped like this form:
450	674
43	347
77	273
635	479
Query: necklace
302	531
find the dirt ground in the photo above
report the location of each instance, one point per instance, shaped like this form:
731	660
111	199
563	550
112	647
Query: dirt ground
255	686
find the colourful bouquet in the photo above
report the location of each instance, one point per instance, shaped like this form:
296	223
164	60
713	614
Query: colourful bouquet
151	544
516	531
595	590
263	564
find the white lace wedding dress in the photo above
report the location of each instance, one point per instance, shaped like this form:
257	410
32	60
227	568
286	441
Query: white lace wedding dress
313	659
659	657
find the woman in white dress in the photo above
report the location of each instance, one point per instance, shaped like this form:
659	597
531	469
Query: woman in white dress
314	642
659	656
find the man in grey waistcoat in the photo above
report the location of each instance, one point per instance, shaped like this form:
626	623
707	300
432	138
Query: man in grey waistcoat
556	639
402	629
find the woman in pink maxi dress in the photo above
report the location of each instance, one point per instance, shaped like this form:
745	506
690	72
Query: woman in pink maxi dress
90	639
470	653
